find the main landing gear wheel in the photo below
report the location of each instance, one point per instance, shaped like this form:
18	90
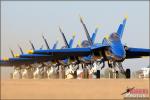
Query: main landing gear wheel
98	74
128	73
117	74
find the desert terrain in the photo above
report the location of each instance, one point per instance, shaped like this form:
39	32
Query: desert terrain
69	89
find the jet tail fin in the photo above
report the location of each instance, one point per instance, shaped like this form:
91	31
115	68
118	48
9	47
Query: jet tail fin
64	38
20	49
45	42
55	45
121	27
12	53
41	47
94	35
79	44
86	31
33	48
71	41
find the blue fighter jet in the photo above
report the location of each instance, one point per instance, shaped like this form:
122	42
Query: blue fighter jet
111	50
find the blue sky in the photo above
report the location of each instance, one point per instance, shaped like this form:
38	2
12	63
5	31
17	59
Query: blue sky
22	21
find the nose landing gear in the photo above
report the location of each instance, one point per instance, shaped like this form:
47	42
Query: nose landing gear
115	73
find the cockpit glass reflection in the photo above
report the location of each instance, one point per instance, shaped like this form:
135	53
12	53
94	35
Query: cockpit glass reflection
114	37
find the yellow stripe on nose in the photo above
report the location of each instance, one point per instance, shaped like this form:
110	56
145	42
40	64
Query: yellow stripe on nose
107	37
5	59
73	34
30	51
16	55
126	17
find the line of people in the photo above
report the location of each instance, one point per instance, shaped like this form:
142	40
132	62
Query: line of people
71	71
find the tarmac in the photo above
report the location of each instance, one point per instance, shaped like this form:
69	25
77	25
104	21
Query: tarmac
103	88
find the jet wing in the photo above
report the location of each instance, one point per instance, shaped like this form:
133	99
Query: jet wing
137	53
52	55
35	56
16	61
46	55
72	53
67	52
22	61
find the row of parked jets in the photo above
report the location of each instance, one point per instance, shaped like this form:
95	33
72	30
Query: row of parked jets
88	56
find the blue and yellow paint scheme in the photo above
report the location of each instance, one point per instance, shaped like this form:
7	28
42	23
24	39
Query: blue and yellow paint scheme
110	49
